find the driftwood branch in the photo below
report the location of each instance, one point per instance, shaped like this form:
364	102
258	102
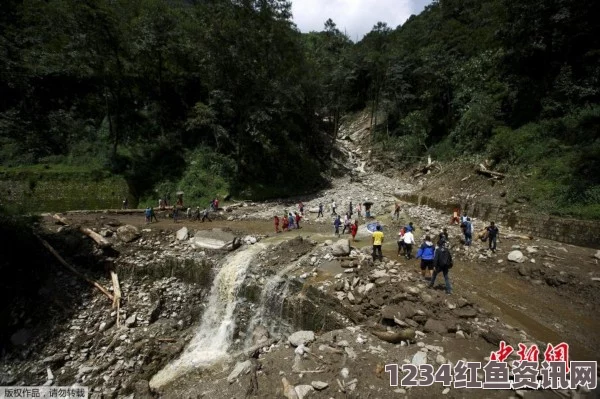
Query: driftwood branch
60	220
489	173
98	239
72	269
101	241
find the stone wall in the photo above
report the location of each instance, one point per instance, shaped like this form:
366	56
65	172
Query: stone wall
584	233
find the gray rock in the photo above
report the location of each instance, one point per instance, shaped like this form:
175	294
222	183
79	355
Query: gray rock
597	255
128	233
239	369
516	256
212	239
182	234
531	250
301	337
130	321
303	390
433	325
341	247
319	385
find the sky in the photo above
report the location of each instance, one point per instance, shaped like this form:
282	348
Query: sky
355	17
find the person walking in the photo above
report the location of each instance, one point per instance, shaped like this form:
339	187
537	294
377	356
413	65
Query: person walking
175	213
291	223
333	212
205	215
397	211
492	233
409	228
426	253
409	241
455	219
337	223
297	217
377	241
354	230
320	210
276	221
153	215
401	245
125	203
346	223
301	208
443	236
442	262
467	231
285	223
350	210
147	213
359	210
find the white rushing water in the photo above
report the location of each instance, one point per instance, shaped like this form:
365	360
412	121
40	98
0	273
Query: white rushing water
214	335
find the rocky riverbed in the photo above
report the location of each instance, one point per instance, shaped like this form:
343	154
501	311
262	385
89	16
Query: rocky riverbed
297	314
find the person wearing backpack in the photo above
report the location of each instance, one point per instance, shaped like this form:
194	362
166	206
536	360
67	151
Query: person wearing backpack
442	262
426	253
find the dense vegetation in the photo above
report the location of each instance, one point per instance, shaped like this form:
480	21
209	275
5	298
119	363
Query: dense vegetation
217	96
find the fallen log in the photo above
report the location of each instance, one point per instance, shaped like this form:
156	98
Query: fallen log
489	173
72	269
60	220
101	241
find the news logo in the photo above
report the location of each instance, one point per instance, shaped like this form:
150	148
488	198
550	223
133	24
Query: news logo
555	371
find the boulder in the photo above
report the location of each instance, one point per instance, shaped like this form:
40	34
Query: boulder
516	256
182	234
128	233
239	369
130	321
303	390
341	247
213	239
531	250
319	385
301	337
433	325
597	255
249	240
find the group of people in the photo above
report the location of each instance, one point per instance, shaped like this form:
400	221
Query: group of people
489	234
349	225
289	221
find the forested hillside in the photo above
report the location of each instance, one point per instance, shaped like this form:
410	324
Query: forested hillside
227	95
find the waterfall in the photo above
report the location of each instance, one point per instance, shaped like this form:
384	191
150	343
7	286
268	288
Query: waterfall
270	308
214	335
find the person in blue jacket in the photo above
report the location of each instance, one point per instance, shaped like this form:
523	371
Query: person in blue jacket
409	227
426	253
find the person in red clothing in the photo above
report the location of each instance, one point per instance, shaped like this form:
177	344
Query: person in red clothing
285	224
297	217
455	218
217	204
354	229
276	220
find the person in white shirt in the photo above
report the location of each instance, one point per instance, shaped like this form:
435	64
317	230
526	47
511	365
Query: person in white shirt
333	212
409	241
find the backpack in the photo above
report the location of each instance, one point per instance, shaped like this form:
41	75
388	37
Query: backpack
445	259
